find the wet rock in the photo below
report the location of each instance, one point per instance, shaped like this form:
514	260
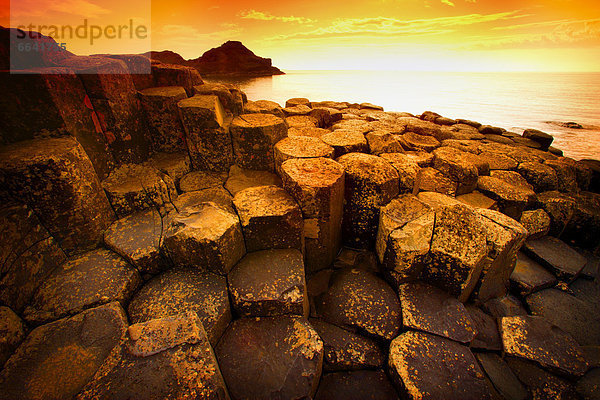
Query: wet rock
424	128
12	332
407	168
491	130
542	177
425	366
199	180
300	109
134	187
432	180
344	142
556	255
511	199
370	183
183	290
138	239
416	142
345	350
453	164
296	101
429	309
302	121
207	138
107	278
63	356
506	306
240	179
356	385
269	283
487	335
58	182
383	142
583	228
593	169
318	187
254	136
537	223
264	107
498	161
529	276
502	377
565	174
513	178
217	195
300	147
270	218
176	165
504	236
358	299
560	207
569	313
160	106
206	237
534	339
477	199
112	95
310	132
540	137
28	254
263	358
458	251
541	384
404	236
163	358
229	96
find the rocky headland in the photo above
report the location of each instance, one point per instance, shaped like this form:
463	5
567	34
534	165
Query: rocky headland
232	58
168	238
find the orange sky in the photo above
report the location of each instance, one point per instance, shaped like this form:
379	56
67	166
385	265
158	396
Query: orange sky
455	35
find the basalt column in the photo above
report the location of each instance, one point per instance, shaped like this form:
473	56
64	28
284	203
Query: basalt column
160	105
208	140
371	182
254	136
317	184
57	180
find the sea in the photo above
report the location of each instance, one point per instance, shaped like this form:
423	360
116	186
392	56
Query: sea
512	100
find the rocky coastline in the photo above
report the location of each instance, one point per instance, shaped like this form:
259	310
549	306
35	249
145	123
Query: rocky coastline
169	238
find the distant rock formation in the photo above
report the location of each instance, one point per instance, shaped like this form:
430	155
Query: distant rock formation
31	50
231	58
166	56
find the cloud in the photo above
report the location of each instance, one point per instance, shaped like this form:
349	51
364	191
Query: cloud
262	16
191	33
544	34
386	26
448	3
42	8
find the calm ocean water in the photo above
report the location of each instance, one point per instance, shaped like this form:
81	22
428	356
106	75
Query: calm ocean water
514	101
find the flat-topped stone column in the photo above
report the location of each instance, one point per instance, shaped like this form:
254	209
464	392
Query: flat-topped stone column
56	179
300	147
270	218
317	184
254	136
160	105
371	182
208	140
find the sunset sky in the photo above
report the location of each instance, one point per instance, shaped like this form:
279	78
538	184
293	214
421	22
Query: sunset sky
454	35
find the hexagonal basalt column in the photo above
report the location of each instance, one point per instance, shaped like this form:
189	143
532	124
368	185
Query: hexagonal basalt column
160	105
208	140
371	182
300	147
270	218
254	136
317	184
57	180
205	236
269	283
